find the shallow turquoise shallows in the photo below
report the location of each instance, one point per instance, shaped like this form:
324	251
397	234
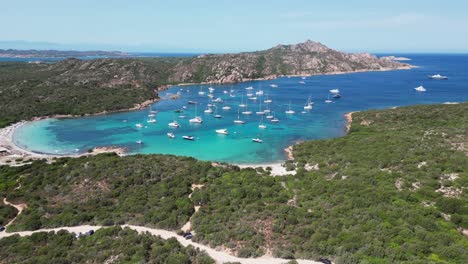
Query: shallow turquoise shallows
359	91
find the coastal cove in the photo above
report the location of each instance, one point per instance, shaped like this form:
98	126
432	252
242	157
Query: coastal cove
360	91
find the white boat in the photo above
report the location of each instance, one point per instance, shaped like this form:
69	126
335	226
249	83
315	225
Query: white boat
242	105
231	95
171	135
308	105
259	92
225	92
139	141
238	120
249	88
174	124
328	100
269	117
301	82
226	107
208	111
201	92
218	100
274	120
266	111
188	138
437	77
211	96
247	112
184	107
303	78
334	91
182	116
253	98
211	89
260	112
257	140
274	85
420	89
151	115
210	105
151	120
218	116
249	94
261	125
336	96
223	131
196	119
289	111
139	125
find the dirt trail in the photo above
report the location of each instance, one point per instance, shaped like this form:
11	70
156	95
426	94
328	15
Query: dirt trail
19	207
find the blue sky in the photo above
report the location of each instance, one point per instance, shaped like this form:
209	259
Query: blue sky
229	26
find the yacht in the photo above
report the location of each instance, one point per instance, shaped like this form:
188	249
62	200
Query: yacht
249	94
223	131
174	124
139	141
226	107
211	96
247	112
261	125
252	98
225	92
420	89
196	119
151	120
328	100
192	102
257	140
151	115
171	135
188	138
259	92
274	85
437	77
308	105
208	110
302	82
336	96
289	111
139	125
218	100
334	91
211	89
249	88
218	116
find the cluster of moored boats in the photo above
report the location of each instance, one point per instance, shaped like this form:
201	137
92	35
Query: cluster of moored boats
258	97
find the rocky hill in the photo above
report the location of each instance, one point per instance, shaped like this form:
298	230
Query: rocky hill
308	58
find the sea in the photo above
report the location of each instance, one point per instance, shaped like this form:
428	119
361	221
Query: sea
359	91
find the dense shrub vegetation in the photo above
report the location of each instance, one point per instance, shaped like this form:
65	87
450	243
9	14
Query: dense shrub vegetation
108	245
392	191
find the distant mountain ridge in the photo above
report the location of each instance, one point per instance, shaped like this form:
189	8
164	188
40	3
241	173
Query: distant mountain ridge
33	53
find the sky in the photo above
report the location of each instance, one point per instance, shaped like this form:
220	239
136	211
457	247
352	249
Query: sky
232	26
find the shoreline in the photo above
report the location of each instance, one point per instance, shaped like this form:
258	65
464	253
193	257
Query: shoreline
349	120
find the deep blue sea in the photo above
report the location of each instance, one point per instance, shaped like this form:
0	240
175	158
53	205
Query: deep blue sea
360	91
130	55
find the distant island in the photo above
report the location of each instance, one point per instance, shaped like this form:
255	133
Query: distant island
15	53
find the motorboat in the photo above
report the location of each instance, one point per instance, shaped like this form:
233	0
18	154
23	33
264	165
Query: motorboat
257	140
218	100
139	125
192	102
208	111
139	141
247	112
226	107
336	96
151	120
274	85
420	89
301	82
249	88
218	116
188	138
259	92
223	131
252	98
171	135
174	124
196	119
334	91
437	77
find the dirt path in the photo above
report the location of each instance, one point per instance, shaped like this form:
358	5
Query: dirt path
19	207
188	226
218	256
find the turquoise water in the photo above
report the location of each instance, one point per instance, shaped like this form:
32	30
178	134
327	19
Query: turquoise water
359	91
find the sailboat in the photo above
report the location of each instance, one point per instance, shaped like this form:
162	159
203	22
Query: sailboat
420	89
257	140
249	88
139	125
216	113
273	85
289	111
261	125
238	120
246	112
267	101
242	102
328	100
151	120
201	92
260	112
196	119
308	105
274	119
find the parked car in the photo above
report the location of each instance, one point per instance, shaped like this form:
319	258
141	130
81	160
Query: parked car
187	235
325	261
